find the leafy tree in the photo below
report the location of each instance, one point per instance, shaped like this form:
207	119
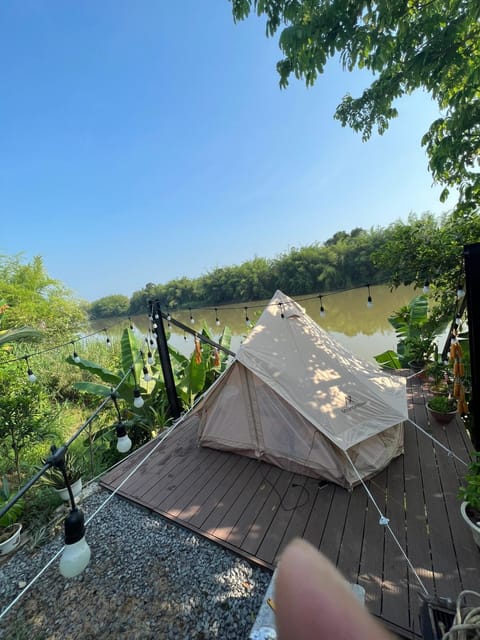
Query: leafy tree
35	299
432	45
115	305
26	417
428	248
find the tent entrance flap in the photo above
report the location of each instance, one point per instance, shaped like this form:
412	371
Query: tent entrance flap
253	413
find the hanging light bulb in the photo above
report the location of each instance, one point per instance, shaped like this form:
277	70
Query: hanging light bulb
76	554
169	316
146	374
156	316
131	323
282	314
31	376
192	319
426	287
322	309
154	325
150	359
217	320
247	319
124	444
138	401
460	291
369	299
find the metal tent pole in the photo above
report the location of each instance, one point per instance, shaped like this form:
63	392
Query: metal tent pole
175	408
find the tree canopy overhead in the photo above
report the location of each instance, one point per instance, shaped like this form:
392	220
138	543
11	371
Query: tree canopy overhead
408	44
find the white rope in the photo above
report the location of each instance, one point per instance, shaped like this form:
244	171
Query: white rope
104	503
384	521
466	621
450	453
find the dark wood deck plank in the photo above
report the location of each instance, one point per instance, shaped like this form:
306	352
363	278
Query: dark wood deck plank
395	601
353	536
372	556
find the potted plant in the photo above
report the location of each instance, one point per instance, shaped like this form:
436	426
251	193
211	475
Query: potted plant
437	373
53	477
442	408
10	528
470	496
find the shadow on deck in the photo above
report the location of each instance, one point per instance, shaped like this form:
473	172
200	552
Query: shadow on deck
255	509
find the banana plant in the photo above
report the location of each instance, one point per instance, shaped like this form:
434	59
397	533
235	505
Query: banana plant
192	376
195	374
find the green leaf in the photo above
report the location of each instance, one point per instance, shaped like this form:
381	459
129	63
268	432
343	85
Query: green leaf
106	375
93	388
388	359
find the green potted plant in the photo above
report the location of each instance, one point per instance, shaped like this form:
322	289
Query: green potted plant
10	528
53	477
442	408
437	373
470	496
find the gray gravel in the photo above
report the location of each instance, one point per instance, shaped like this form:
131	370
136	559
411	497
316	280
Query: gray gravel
147	578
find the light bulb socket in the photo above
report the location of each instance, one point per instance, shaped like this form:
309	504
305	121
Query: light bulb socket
120	429
74	526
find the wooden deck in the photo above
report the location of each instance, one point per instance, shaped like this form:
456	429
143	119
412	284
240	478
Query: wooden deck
254	509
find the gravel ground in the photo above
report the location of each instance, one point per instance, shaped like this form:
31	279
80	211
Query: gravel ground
147	578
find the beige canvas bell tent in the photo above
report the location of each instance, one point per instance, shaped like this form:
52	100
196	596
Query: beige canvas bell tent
296	398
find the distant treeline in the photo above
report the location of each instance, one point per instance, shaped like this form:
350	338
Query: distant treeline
344	261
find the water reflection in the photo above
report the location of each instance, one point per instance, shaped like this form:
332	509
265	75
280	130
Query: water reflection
363	331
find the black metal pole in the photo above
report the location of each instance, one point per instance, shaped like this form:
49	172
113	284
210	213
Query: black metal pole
173	401
471	255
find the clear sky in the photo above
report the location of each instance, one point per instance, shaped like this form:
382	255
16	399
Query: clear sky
144	140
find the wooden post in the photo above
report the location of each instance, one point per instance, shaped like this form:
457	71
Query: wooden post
175	408
471	255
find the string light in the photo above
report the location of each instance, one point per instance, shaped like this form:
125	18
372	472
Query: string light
460	291
108	341
138	401
247	319
322	309
76	357
217	320
124	444
282	314
76	554
369	299
150	359
146	374
131	323
426	287
192	319
169	316
31	376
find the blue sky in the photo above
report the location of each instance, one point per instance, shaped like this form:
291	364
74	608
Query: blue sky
143	141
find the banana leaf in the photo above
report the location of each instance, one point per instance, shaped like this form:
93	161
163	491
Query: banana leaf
389	360
104	374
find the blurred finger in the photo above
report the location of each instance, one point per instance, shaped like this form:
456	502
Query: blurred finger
313	601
